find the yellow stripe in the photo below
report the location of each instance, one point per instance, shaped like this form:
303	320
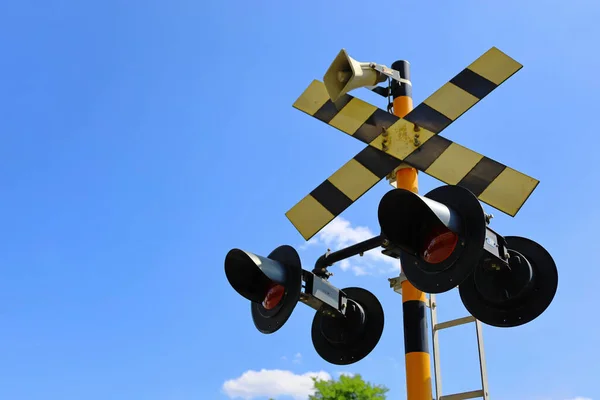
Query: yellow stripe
400	139
353	179
451	101
495	66
509	191
418	366
309	216
312	98
409	292
453	164
352	116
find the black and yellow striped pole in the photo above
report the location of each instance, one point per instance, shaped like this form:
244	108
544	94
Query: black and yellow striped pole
416	347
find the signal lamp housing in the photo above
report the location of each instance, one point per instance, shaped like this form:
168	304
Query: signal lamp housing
272	284
443	241
348	323
438	237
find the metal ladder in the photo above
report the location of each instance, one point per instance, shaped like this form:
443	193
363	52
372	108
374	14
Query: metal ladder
436	327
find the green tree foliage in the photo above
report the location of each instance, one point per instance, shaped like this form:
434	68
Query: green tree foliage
348	388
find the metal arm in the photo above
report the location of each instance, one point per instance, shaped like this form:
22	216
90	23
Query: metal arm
328	258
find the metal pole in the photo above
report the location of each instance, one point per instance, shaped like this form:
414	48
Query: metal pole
416	346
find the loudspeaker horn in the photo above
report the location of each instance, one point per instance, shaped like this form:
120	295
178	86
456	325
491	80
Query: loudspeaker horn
346	74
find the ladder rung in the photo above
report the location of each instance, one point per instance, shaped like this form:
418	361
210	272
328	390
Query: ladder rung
454	322
465	395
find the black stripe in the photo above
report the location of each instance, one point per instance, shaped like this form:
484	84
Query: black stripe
403	68
332	198
428	152
473	83
482	174
402	90
376	161
398	88
374	125
415	327
429	118
331	109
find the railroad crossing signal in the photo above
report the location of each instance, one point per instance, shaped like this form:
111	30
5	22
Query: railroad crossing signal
413	140
442	238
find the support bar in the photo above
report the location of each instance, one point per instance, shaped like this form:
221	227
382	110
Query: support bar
328	259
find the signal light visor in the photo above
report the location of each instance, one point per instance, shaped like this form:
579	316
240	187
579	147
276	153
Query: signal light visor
252	276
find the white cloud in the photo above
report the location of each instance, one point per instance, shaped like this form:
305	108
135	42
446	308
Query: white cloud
580	398
358	271
297	358
340	233
272	383
345	265
345	373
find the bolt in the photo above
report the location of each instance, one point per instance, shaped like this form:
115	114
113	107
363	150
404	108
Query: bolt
416	128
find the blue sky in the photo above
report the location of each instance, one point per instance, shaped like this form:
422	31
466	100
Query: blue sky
141	140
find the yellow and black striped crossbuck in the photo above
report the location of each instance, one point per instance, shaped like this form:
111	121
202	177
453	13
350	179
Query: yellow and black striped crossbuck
413	140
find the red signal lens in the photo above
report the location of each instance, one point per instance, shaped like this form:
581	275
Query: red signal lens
274	295
439	245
